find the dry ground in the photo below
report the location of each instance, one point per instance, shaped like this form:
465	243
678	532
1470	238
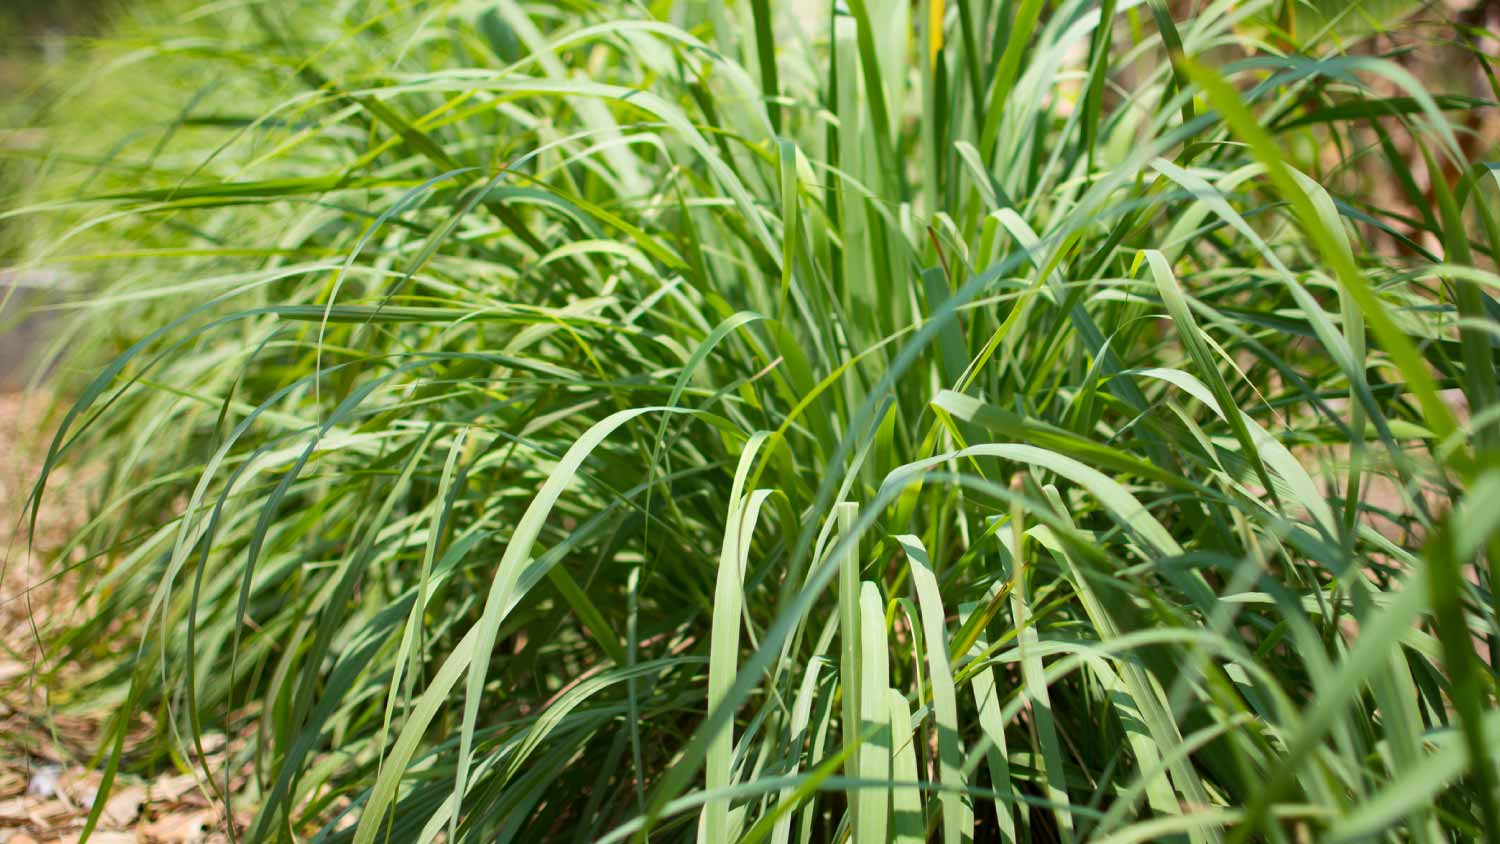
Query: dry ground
48	778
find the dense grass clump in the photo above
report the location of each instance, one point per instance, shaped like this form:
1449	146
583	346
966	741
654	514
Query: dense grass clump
995	420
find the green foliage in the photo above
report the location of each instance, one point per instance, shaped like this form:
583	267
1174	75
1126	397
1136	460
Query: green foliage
586	421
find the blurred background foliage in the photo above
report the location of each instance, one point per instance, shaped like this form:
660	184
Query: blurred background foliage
36	35
46	50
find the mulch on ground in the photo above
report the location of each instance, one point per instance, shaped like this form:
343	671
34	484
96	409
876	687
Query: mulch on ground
49	778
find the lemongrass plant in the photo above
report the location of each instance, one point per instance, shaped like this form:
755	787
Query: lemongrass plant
987	420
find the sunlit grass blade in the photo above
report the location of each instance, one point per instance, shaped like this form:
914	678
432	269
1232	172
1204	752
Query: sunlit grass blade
958	817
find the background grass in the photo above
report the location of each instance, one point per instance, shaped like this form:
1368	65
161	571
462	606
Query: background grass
1011	421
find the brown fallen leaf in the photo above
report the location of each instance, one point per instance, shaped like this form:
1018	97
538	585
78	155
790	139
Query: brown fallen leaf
124	806
171	789
79	786
180	827
101	836
13	811
11	669
47	813
11	785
